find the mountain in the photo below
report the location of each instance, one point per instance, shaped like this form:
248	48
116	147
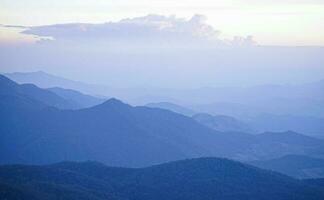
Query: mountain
303	99
56	97
304	124
79	99
218	122
14	193
318	182
203	178
222	123
270	145
310	125
45	80
32	92
112	132
237	110
240	102
118	134
172	107
284	143
294	165
121	135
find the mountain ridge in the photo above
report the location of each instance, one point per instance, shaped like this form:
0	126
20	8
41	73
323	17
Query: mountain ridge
9	87
119	134
298	166
200	178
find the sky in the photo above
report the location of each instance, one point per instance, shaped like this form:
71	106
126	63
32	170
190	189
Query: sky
174	44
271	22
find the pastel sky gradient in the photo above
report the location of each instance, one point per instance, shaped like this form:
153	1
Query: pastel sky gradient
284	22
165	43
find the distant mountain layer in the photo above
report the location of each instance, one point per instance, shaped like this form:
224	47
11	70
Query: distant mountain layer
195	179
297	100
45	80
172	107
308	125
56	97
264	108
218	122
122	135
294	165
222	123
259	123
34	93
298	121
78	99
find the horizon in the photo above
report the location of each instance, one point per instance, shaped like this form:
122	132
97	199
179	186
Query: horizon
41	72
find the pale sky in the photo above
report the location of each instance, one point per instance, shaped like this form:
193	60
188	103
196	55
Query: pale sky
271	22
165	43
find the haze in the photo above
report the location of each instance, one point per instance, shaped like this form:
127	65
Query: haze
165	44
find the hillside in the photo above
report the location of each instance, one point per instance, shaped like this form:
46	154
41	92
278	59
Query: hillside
77	98
172	107
119	134
30	91
294	165
222	123
204	178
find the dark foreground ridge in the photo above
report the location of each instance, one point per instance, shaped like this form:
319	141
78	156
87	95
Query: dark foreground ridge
203	178
298	166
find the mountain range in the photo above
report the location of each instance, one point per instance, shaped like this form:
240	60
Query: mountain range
222	123
297	166
173	107
273	108
194	179
174	150
32	93
45	80
77	98
119	134
256	123
303	99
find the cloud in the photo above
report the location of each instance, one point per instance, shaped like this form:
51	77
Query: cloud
150	29
87	52
14	26
140	27
243	41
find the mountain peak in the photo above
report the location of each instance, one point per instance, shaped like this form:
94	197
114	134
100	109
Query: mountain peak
113	102
39	73
172	107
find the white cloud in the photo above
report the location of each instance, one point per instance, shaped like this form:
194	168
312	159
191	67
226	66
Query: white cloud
243	41
150	29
